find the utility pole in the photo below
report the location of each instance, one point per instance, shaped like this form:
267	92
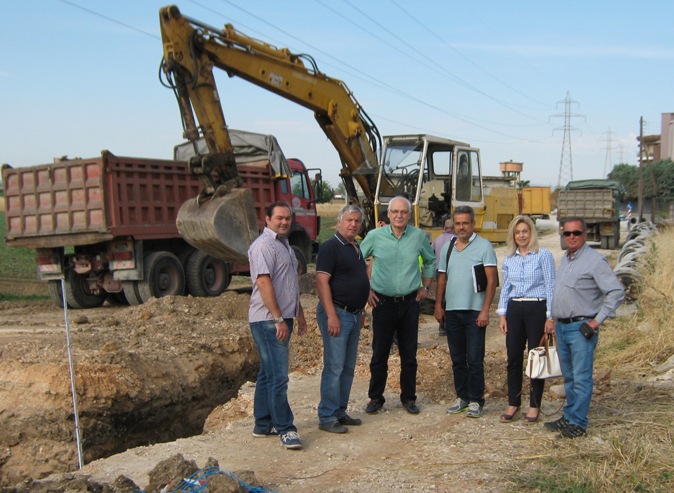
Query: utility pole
640	193
566	161
608	163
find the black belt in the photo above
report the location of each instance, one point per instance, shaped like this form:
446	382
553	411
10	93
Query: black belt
350	310
397	299
571	320
527	299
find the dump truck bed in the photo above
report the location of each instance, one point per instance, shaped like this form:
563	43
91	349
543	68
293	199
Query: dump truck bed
88	201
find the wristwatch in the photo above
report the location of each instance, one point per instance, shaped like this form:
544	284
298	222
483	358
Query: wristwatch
279	320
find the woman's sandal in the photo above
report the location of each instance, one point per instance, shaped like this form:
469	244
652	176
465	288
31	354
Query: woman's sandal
531	419
507	418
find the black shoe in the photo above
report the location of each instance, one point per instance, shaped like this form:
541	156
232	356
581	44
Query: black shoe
349	421
333	427
374	406
573	431
557	425
411	407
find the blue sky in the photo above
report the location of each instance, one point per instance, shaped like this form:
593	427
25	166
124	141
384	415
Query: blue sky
77	77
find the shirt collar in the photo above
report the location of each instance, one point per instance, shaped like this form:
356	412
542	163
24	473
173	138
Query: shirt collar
343	240
578	253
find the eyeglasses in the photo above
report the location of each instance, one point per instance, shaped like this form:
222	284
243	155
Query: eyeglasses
395	213
574	233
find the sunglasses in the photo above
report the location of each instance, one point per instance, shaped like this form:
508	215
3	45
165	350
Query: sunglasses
574	233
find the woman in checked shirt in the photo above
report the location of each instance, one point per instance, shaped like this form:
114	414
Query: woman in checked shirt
524	308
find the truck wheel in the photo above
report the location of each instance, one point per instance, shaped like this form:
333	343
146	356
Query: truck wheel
131	292
55	292
163	275
206	275
301	260
78	294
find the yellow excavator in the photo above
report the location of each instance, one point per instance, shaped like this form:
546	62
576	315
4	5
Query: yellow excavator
436	174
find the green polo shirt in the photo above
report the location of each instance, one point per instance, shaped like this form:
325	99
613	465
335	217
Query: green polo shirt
395	271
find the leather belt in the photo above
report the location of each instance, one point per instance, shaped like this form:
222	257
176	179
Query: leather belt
343	306
571	320
397	299
527	299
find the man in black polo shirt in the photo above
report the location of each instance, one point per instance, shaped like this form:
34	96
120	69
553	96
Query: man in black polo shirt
343	288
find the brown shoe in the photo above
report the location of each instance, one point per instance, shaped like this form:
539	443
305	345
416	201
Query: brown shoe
509	418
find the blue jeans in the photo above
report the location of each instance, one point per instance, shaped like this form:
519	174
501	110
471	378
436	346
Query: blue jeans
271	406
576	357
339	363
466	346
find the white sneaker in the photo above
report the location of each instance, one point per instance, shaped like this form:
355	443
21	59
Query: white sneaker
474	410
459	406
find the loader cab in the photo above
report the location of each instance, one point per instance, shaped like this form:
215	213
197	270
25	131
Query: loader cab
435	174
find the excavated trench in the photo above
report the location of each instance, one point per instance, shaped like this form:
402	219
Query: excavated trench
145	374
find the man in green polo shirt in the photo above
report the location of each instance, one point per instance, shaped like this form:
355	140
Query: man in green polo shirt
397	288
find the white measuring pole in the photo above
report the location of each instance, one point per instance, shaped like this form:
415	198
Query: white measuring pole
73	388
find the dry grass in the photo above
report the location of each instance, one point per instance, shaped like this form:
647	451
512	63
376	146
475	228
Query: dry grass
631	438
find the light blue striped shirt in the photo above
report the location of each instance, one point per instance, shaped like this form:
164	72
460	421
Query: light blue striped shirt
528	276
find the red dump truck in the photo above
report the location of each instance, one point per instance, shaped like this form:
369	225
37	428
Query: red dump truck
107	225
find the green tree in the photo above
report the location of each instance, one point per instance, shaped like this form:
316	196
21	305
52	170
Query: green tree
628	176
340	189
326	193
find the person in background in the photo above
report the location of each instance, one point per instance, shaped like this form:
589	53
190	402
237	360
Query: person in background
395	296
524	306
466	311
274	302
437	245
587	292
343	288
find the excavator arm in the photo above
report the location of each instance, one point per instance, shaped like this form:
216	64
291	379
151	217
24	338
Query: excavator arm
192	49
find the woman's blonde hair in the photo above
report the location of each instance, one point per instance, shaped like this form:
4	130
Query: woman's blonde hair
511	246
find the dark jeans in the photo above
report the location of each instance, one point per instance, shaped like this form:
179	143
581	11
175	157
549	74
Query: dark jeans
526	324
270	406
466	346
402	319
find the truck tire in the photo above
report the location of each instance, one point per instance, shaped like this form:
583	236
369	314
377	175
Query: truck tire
78	294
301	260
163	275
55	292
131	292
206	275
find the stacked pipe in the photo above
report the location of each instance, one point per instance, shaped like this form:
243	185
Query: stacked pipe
633	250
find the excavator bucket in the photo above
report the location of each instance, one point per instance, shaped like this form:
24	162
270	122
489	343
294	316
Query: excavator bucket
223	227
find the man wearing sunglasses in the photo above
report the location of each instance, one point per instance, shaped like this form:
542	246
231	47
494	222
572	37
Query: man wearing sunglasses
587	292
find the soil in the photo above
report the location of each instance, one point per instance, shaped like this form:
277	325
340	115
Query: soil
178	370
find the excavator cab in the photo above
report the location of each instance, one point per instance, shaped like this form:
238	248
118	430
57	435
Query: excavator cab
435	174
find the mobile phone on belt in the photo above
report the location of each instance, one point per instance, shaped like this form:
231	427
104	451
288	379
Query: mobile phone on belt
586	330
